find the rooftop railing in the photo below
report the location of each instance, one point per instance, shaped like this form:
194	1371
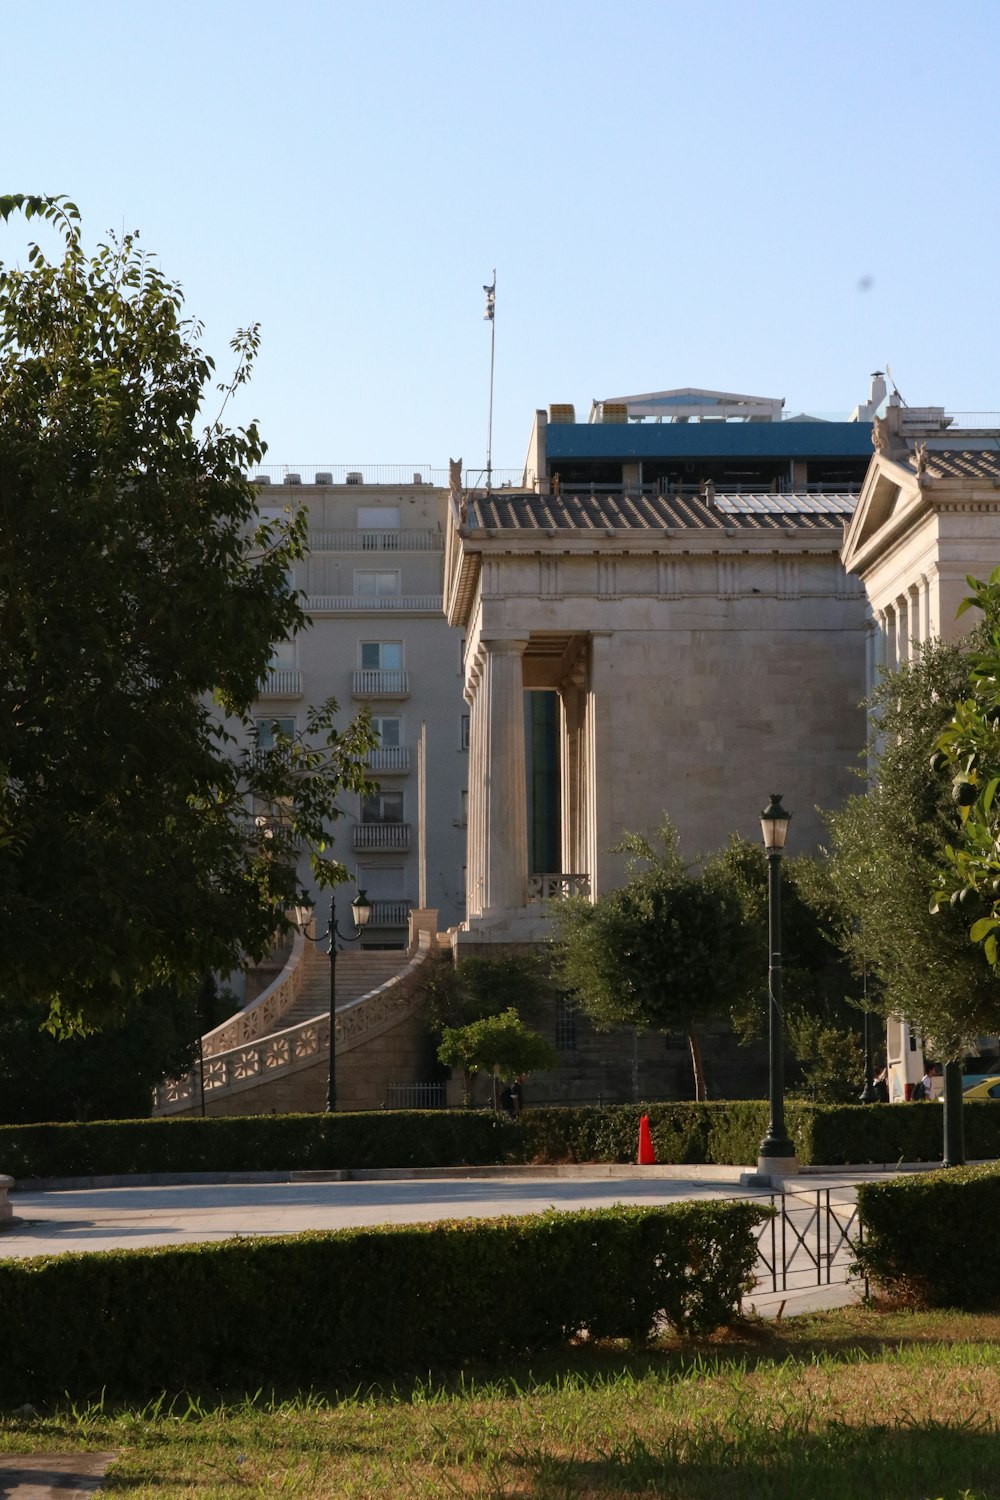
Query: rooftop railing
308	476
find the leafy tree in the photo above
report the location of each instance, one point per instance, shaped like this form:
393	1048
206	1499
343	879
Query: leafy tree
144	839
110	1074
495	1043
474	988
969	750
666	949
820	995
886	847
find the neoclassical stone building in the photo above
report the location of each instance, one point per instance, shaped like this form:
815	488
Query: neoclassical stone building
705	591
675	589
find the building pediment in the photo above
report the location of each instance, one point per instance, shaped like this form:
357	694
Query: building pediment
892	499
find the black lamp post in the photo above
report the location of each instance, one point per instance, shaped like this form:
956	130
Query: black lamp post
361	911
777	1153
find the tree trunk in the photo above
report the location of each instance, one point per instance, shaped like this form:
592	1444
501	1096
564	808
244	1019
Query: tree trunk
700	1091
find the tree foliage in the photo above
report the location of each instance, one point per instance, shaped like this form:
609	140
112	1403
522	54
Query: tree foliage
475	988
969	750
144	839
666	949
109	1074
886	847
500	1042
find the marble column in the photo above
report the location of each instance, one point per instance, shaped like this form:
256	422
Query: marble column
504	808
902	630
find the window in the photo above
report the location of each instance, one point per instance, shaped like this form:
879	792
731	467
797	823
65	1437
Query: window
383	807
381	656
465	732
378	517
389	733
382	882
565	1025
282	655
379	527
371	584
268	729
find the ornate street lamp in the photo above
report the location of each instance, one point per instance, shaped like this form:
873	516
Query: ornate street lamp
777	1153
361	911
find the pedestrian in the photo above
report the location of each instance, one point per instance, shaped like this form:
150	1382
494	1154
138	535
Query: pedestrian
881	1087
517	1096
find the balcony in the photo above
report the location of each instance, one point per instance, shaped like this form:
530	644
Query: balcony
390	761
381	836
338	604
398	539
282	682
557	887
390	914
374	683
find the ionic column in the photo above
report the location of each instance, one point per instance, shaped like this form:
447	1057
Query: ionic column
902	630
475	833
889	660
505	808
871	655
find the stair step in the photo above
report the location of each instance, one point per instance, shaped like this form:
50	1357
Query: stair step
357	974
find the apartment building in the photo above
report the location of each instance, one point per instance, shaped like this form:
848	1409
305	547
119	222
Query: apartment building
372	581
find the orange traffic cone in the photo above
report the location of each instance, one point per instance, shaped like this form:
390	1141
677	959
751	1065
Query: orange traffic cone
647	1156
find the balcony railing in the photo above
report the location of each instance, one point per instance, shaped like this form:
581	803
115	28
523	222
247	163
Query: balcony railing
557	887
282	682
389	914
319	604
381	836
369	683
397	540
390	760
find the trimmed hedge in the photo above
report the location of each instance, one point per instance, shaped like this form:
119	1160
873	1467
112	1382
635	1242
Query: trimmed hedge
934	1238
395	1299
721	1132
257	1143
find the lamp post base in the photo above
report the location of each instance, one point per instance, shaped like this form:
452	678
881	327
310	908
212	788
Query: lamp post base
771	1172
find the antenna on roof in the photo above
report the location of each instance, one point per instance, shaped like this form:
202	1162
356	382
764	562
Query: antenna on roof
489	317
895	388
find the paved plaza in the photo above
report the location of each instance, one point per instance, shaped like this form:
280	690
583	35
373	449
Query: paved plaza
78	1219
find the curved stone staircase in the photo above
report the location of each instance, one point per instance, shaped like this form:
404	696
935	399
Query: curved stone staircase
272	1057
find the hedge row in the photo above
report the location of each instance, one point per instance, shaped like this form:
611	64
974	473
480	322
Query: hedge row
396	1299
723	1132
934	1238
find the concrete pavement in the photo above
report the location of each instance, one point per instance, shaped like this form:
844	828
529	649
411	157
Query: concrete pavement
84	1218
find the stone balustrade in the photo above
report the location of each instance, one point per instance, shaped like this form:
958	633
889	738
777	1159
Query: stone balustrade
249	1063
557	887
258	1018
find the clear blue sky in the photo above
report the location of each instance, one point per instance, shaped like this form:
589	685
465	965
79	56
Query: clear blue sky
772	198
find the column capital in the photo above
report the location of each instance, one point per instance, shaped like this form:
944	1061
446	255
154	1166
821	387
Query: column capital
504	645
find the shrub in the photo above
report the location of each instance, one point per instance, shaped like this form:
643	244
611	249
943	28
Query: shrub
725	1132
393	1299
934	1238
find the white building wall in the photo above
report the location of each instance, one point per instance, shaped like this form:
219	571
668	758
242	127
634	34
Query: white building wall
340	577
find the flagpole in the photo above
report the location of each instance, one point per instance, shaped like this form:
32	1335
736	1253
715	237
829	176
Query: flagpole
489	316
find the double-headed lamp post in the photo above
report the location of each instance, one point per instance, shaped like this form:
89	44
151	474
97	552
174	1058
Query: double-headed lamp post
361	911
777	1153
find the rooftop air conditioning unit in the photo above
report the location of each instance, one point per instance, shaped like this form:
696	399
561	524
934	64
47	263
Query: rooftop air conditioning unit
293	478
355	477
323	477
262	479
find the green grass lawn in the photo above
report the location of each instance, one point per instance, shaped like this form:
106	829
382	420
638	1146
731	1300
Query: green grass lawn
853	1403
